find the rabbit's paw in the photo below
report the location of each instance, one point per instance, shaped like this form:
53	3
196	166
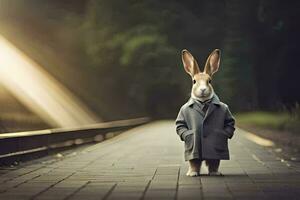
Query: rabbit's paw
191	173
215	174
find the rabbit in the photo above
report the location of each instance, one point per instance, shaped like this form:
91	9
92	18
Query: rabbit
204	123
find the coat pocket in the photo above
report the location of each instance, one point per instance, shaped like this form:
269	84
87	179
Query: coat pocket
189	141
221	140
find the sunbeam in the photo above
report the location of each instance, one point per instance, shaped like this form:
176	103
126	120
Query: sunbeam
40	92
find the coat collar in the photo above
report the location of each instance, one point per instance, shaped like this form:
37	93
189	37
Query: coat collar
215	101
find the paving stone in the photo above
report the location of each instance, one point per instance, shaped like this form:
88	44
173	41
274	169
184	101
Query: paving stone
147	163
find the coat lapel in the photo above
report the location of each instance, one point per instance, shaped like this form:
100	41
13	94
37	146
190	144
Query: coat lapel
210	109
199	109
214	103
196	107
212	106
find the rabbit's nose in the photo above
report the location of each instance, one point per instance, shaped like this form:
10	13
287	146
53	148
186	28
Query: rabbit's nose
202	90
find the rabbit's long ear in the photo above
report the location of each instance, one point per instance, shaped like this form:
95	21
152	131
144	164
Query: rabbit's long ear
189	63
213	62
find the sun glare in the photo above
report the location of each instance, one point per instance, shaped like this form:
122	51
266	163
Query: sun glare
40	92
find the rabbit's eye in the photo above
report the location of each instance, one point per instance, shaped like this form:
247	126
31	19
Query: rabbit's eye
209	81
194	81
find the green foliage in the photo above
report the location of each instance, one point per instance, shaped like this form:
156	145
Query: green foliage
138	44
133	56
130	51
277	121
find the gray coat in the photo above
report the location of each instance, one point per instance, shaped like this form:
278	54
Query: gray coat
205	135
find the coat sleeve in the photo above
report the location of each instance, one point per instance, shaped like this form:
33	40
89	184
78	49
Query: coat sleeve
229	123
181	126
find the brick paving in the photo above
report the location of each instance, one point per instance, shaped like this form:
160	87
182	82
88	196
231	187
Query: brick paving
147	163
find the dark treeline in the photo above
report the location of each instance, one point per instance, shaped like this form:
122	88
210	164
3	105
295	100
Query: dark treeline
131	50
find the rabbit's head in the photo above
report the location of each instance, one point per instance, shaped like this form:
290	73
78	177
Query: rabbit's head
202	89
